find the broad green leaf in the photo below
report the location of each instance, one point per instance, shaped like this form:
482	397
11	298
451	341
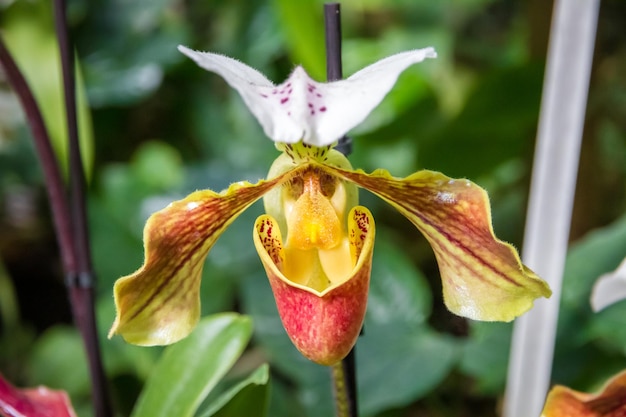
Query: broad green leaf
485	355
58	360
190	369
606	248
249	397
28	30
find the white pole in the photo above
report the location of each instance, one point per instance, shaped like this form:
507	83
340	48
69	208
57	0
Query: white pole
566	83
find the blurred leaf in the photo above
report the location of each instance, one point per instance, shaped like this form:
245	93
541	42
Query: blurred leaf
398	291
121	357
249	397
131	47
9	310
28	30
189	369
605	247
303	25
579	328
399	358
58	361
607	327
497	123
486	355
158	165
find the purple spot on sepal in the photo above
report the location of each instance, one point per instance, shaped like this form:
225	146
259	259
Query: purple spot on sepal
322	109
284	100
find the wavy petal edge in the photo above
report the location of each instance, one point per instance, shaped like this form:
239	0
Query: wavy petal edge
483	277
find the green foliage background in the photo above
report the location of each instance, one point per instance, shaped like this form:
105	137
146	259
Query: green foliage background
161	127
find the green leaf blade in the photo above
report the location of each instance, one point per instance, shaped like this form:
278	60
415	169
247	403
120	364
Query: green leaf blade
190	369
249	396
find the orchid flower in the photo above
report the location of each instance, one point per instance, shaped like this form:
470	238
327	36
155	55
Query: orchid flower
33	402
316	242
609	402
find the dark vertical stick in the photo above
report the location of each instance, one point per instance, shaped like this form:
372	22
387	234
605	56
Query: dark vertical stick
332	20
334	71
80	280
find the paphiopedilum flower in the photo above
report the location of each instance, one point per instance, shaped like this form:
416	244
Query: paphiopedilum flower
33	402
609	402
320	272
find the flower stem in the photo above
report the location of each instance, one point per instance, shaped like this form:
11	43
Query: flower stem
341	391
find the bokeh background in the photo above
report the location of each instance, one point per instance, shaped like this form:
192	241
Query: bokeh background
156	127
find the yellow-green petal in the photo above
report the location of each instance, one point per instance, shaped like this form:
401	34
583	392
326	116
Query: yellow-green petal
483	278
609	402
160	304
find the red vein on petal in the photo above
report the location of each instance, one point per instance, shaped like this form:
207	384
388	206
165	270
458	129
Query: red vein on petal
204	229
375	185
